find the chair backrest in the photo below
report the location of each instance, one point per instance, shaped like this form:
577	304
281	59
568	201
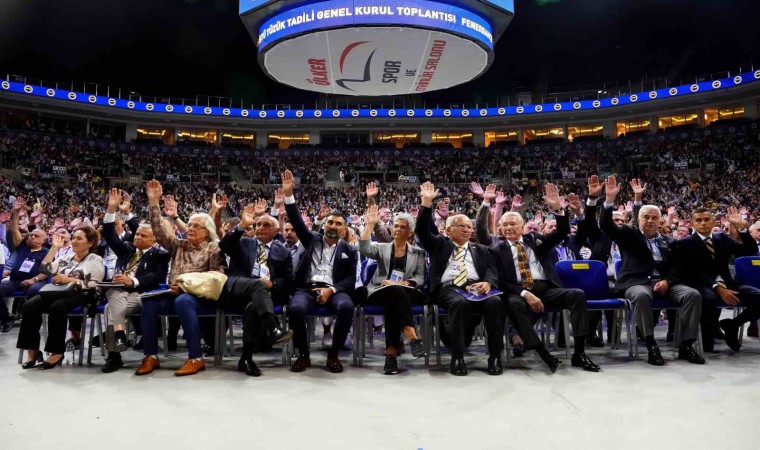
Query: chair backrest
748	271
618	263
369	266
589	276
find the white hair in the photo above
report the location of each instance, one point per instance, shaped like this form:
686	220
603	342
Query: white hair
406	217
450	220
514	214
754	226
208	223
646	208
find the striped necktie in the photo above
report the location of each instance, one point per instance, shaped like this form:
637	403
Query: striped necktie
710	246
524	265
132	266
262	256
461	279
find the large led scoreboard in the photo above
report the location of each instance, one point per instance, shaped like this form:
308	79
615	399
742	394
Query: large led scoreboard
375	47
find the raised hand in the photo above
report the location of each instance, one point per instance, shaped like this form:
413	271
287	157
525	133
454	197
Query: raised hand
735	217
516	203
576	206
611	188
500	198
371	190
551	197
279	198
638	187
19	205
476	189
324	211
428	193
170	206
594	186
260	207
58	242
114	198
372	217
154	191
443	210
490	193
671	210
126	203
219	202
247	217
288	183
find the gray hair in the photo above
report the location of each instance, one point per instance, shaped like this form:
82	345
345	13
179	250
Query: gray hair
514	214
754	226
644	209
406	217
208	223
450	220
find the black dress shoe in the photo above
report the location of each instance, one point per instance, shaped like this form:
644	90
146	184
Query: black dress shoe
96	341
391	366
278	335
301	364
708	345
207	350
333	364
139	345
731	331
583	361
418	348
655	357
458	367
6	325
494	366
719	335
518	350
688	353
249	367
551	362
32	363
47	366
113	363
670	337
120	344
595	341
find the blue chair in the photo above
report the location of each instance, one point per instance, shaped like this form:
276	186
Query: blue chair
747	273
591	278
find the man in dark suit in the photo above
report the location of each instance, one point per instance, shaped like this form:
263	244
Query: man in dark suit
325	276
260	273
141	267
455	263
704	266
292	243
646	270
528	278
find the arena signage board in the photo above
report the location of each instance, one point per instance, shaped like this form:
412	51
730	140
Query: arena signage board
375	61
250	5
373	47
364	13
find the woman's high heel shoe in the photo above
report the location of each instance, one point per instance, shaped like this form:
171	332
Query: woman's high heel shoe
32	363
46	365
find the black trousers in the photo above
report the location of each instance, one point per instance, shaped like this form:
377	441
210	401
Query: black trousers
749	295
460	311
253	298
397	304
552	297
58	311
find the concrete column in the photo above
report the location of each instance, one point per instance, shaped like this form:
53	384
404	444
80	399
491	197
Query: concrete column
314	137
130	133
479	137
654	124
261	139
426	136
609	130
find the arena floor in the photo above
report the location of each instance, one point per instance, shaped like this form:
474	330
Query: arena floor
628	405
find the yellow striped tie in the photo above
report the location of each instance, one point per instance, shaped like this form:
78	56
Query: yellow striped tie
262	257
461	279
710	246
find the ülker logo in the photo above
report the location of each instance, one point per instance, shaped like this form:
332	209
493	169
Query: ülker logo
367	65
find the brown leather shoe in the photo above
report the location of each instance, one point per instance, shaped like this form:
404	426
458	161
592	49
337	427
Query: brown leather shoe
148	365
191	367
301	364
334	365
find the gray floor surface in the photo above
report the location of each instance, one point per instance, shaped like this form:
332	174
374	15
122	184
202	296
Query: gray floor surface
628	405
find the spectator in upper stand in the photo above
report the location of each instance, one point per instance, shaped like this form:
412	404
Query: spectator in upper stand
24	274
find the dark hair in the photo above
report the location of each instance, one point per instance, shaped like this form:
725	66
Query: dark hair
91	235
337	213
701	211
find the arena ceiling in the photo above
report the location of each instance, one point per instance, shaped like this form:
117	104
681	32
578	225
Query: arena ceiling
183	48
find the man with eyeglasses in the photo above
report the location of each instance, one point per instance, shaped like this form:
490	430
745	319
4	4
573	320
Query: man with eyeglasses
457	264
646	271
